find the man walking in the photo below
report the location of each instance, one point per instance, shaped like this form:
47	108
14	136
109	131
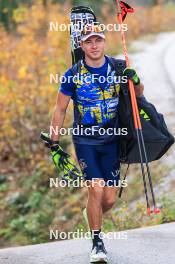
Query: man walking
96	105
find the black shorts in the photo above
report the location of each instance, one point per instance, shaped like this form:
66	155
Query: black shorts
99	162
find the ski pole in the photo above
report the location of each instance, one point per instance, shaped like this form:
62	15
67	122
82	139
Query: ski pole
156	209
139	130
131	88
137	121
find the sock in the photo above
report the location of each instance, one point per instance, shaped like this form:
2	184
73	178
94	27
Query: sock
95	237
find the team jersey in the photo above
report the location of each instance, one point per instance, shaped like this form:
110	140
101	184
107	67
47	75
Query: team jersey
96	101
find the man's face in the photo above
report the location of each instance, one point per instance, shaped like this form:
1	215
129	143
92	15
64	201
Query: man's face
94	47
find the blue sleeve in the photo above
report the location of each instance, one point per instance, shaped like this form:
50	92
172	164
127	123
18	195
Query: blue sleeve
67	85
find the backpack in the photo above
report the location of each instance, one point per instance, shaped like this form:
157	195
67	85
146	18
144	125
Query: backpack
155	132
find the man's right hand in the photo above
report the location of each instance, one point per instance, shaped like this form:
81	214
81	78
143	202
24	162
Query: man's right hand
49	143
62	160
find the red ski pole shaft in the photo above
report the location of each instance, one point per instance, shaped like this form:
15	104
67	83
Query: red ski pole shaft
136	115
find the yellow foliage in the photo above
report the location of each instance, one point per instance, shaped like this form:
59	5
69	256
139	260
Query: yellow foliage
26	97
22	72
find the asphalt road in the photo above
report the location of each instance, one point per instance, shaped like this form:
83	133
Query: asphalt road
150	245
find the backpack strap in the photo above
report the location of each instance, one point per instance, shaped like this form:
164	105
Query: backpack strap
76	68
121	188
117	65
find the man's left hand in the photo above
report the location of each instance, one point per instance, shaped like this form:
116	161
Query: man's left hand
132	75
